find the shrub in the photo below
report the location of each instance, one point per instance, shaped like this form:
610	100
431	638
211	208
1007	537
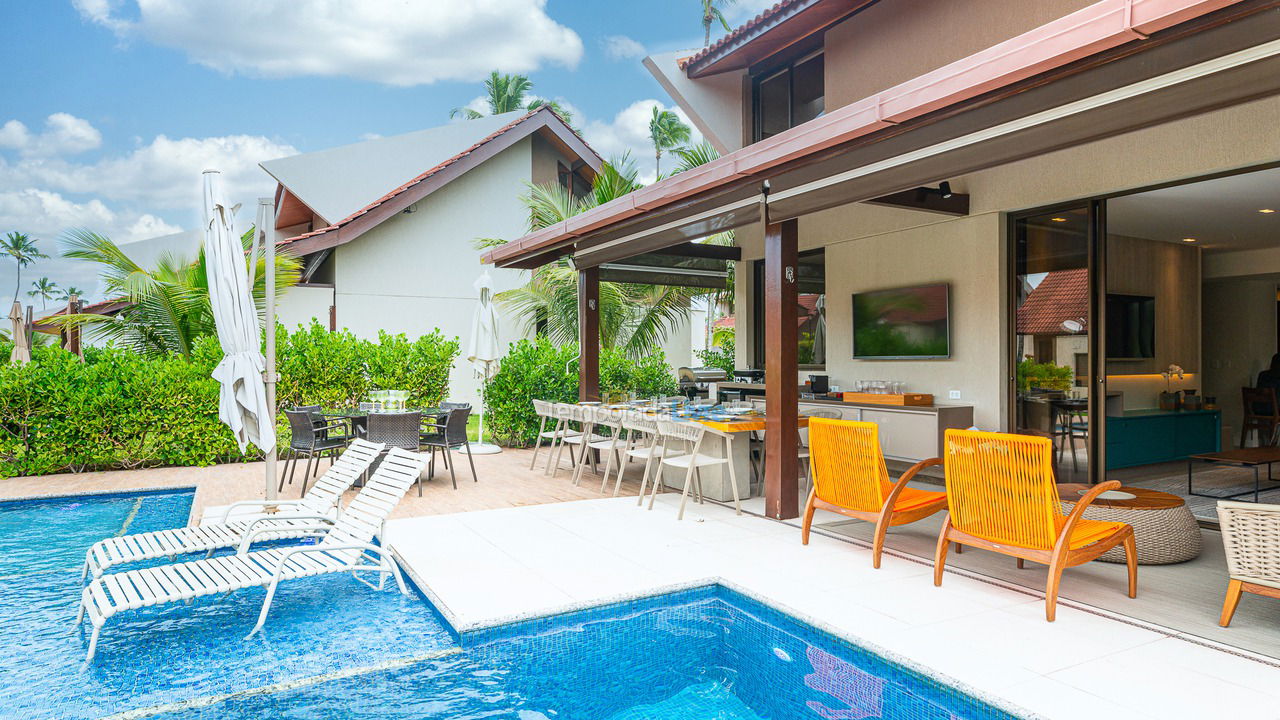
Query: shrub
720	356
117	409
537	369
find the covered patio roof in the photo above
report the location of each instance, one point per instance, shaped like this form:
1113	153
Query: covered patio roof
1110	68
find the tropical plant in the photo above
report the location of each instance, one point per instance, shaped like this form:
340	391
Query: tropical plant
546	370
1045	376
170	307
507	93
44	288
667	132
65	294
694	155
23	251
712	13
719	356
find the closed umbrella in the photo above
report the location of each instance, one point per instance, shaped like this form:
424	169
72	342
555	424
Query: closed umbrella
21	353
242	402
820	330
483	349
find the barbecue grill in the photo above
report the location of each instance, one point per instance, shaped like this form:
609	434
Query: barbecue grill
694	381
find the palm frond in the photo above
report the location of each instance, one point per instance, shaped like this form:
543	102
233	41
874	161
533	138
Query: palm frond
694	155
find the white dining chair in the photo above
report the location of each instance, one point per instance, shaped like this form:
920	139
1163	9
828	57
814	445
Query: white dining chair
690	435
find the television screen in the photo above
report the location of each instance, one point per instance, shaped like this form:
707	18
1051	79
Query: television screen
903	323
1131	327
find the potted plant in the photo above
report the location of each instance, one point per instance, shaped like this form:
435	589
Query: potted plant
1169	399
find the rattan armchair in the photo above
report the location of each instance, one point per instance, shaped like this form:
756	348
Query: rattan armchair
450	434
1251	538
311	440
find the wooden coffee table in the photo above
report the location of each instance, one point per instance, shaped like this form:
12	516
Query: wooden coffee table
1253	458
1164	529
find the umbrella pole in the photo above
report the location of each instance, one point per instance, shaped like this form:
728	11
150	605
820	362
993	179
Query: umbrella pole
266	214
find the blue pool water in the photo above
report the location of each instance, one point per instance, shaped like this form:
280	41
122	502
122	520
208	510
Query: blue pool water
335	648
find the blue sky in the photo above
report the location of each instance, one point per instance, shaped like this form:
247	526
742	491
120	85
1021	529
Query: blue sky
112	107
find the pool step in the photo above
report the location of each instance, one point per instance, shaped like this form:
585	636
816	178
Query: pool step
283	686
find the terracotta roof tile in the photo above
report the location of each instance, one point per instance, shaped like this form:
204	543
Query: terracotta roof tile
766	15
423	176
1062	295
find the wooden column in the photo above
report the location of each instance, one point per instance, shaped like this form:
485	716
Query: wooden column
781	370
589	334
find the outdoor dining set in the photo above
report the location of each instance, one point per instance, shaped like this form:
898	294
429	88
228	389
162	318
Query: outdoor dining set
318	433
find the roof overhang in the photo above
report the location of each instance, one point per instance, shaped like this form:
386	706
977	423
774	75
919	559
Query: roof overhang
1111	68
543	122
770	33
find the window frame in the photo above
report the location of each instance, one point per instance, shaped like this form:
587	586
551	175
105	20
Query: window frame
758	351
787	68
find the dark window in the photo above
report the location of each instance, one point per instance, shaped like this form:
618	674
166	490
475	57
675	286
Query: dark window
572	181
786	97
811	351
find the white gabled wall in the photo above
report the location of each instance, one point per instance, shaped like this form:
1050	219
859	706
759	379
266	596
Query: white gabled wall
415	272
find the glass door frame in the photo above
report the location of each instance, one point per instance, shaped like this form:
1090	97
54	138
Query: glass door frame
1095	443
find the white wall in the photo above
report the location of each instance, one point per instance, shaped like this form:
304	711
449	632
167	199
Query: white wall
414	272
299	305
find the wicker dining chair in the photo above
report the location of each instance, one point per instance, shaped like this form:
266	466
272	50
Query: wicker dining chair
449	435
307	439
395	429
1251	538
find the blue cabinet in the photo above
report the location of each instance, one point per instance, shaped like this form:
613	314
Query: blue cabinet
1143	437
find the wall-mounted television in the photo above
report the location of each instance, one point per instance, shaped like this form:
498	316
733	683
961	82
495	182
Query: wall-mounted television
1131	327
902	323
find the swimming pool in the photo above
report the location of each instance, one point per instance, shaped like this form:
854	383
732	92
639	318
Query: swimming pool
335	648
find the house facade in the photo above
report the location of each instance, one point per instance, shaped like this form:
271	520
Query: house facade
899	146
386	228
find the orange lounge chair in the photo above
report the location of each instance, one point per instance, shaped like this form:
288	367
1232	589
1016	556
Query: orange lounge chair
850	478
1003	498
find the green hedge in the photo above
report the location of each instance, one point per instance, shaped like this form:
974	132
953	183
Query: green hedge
120	410
537	369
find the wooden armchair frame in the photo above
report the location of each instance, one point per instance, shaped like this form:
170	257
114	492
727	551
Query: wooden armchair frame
887	514
1059	558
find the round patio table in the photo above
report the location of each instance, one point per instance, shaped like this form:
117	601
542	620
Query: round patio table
1164	529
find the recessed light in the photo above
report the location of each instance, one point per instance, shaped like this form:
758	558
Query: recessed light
1188	239
1058	219
1266	211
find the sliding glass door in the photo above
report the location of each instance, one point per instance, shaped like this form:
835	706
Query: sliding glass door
1055	270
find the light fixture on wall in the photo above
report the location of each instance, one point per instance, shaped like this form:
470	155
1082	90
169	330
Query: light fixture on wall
943	191
1058	219
1188	240
1267	211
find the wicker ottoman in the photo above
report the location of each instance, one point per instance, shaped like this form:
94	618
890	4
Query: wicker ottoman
1163	526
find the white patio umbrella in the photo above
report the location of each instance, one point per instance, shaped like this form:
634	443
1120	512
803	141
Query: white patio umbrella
820	330
21	353
483	349
242	403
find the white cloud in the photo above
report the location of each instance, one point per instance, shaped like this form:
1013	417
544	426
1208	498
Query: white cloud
621	47
386	41
161	175
64	134
629	132
742	11
149	191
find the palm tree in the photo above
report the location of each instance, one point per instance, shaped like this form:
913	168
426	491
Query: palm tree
23	250
694	155
667	132
507	93
711	12
43	289
65	294
634	318
170	307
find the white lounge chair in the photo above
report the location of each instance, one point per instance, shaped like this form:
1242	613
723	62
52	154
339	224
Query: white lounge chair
297	518
346	547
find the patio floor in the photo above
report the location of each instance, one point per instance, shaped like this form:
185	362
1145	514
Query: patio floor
504	480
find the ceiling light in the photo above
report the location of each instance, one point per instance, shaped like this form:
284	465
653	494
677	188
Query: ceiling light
1188	239
1266	211
945	190
1058	219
